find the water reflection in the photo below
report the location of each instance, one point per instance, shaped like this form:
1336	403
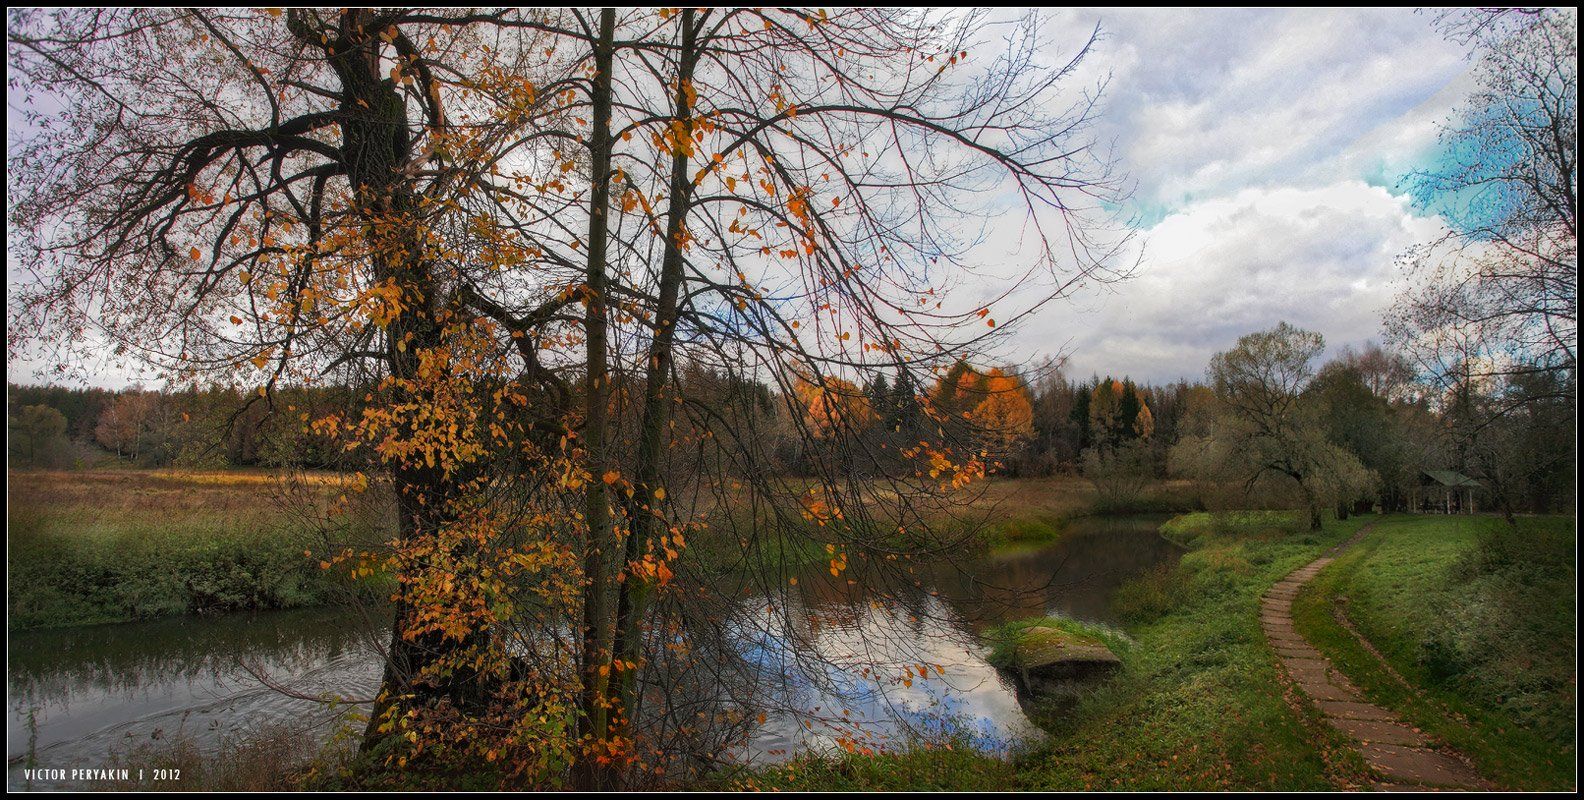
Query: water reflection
854	655
847	654
77	694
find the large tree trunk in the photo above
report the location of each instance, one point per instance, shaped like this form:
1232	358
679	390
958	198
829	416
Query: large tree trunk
600	545
642	511
377	144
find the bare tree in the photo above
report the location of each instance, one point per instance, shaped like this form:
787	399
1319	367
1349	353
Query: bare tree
1490	318
1499	290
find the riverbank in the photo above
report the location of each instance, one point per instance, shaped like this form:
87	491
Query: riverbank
114	545
1026	511
1465	627
101	546
89	682
1199	702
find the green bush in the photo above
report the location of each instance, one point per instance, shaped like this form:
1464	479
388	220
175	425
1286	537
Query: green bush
1036	529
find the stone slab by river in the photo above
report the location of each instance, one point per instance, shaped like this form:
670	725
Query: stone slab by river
88	697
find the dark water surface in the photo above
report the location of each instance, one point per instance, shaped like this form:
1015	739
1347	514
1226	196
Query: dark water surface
77	697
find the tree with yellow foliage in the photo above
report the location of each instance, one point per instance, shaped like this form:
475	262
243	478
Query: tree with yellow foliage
486	220
991	409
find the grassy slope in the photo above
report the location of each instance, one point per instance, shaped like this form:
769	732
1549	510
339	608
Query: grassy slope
107	546
1478	621
1198	704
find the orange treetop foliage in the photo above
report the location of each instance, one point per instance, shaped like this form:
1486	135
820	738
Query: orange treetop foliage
1144	423
1006	412
837	405
996	403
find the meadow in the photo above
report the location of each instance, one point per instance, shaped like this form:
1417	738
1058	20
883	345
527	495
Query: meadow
112	545
1463	625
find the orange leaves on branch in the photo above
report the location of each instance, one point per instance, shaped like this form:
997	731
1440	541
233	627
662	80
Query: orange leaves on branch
818	510
652	569
838	560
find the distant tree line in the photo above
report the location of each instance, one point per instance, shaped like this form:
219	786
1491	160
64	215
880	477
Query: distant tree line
59	427
1271	423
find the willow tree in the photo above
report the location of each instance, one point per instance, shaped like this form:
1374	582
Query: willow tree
1266	430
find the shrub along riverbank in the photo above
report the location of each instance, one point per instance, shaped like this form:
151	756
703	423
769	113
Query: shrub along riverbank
1477	619
115	545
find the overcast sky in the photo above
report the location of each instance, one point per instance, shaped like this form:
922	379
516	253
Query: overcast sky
1266	150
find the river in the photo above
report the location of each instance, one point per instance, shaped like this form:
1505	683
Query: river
87	697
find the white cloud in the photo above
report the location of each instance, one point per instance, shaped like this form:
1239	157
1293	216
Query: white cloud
1259	142
1320	258
1205	102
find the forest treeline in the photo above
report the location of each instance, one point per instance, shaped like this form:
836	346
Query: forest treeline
1034	422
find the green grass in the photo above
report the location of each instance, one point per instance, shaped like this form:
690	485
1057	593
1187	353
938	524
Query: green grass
1036	529
97	547
1187	529
1479	621
941	768
1152	595
1199	701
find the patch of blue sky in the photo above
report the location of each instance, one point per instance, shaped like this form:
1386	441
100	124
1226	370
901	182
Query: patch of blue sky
1464	181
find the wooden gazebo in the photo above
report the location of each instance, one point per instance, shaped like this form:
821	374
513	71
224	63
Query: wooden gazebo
1442	491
